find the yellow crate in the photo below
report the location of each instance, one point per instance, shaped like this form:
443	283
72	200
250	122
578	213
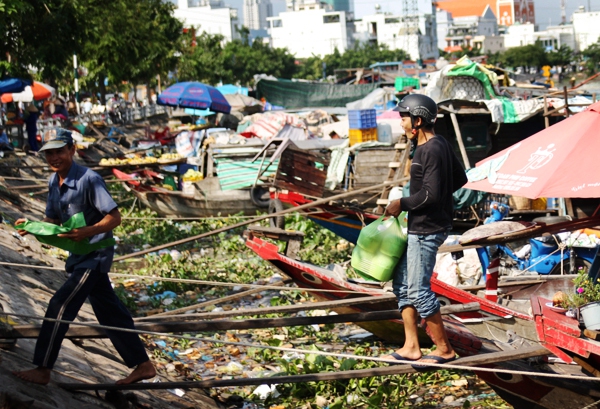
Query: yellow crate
362	135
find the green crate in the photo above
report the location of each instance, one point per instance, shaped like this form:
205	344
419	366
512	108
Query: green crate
403	82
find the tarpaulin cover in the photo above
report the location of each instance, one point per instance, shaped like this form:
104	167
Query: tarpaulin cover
295	94
47	233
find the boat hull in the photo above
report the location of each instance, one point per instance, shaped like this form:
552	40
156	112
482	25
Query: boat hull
520	390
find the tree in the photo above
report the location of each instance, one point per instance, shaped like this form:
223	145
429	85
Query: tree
359	56
40	33
561	57
241	60
532	55
201	57
592	57
129	40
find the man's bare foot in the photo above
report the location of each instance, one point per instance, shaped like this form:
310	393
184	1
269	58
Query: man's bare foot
145	370
407	354
39	375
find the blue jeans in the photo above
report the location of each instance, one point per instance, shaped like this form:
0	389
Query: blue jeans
412	275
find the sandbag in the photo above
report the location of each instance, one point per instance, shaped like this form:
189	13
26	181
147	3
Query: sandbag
379	248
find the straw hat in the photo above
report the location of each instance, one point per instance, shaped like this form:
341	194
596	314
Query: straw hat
31	108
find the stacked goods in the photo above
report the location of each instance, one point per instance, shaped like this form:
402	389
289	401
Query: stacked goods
192	176
363	125
169	157
128	161
188	180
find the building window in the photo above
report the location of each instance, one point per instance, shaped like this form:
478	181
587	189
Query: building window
392	20
331	18
276	23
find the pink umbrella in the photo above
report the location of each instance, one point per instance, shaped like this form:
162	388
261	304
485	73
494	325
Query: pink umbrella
560	161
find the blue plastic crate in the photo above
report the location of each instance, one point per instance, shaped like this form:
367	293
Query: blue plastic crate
362	118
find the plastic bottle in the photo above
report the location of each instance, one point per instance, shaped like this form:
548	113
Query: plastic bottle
384	133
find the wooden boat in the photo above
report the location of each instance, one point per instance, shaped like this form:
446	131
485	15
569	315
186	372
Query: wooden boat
468	332
205	200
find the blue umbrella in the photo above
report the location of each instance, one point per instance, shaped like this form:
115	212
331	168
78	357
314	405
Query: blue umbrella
194	95
11	85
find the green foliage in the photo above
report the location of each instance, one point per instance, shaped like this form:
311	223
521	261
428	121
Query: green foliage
361	55
129	40
42	34
586	290
561	57
455	55
239	56
201	58
592	57
532	55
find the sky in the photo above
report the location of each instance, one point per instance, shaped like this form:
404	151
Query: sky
546	11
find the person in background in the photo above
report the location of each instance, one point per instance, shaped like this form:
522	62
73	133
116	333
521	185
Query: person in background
75	189
4	142
435	174
87	105
31	118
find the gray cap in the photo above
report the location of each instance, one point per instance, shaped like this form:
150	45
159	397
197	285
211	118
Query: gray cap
62	138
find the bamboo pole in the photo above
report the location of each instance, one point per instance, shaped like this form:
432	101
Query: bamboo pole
259	218
32	331
281	309
459	139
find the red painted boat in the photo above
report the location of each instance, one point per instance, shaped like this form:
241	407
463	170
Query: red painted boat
475	333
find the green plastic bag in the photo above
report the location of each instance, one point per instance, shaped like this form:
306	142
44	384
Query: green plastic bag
47	233
379	248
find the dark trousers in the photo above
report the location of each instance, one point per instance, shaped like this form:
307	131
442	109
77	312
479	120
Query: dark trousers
110	311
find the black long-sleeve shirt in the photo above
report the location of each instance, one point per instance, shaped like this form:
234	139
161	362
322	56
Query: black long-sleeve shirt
435	174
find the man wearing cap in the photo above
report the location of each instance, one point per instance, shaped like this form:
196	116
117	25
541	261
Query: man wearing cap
435	174
75	189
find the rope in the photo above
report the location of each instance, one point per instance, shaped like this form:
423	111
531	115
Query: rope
308	352
190	281
204	218
592	405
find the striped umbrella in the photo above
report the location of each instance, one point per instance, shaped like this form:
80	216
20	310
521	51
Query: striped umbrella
37	91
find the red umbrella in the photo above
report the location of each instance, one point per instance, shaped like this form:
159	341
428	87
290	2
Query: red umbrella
560	161
37	91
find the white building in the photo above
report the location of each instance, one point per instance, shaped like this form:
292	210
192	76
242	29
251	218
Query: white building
586	26
416	38
488	44
555	37
519	35
460	31
208	16
256	13
312	29
443	22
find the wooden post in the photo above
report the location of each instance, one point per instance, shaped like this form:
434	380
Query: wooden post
546	119
459	138
566	97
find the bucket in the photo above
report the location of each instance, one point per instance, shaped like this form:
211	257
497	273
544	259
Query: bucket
591	315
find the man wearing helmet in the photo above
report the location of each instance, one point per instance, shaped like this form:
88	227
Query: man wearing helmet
435	174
